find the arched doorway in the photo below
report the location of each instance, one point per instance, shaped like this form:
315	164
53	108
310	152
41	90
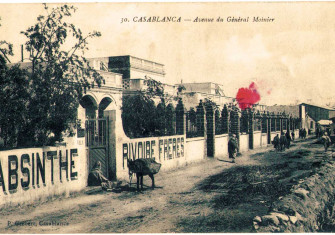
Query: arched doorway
97	133
90	106
105	104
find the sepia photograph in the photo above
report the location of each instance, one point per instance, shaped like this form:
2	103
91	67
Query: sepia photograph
167	117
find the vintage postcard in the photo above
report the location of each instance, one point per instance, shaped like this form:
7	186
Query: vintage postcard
167	117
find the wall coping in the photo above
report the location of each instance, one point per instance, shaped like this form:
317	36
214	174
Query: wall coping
221	136
155	137
195	139
43	148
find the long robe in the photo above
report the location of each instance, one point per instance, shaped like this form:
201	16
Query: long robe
232	147
96	177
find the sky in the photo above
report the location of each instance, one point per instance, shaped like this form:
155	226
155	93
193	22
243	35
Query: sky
291	60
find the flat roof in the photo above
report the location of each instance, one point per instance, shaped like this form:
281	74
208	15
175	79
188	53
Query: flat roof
319	106
199	83
136	58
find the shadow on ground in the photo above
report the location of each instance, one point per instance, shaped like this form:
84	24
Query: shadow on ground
240	193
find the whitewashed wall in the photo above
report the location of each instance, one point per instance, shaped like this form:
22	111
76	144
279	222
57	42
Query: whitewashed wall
244	142
296	134
35	173
257	139
170	151
221	146
195	149
264	139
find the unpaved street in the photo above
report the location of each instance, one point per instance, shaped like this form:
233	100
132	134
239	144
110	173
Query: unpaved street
210	196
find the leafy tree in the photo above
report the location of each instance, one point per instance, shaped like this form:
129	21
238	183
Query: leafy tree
218	124
14	93
180	89
160	118
6	49
154	88
14	96
58	76
211	103
170	117
224	120
244	121
192	118
138	114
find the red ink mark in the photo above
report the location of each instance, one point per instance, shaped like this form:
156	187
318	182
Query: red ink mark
269	92
247	97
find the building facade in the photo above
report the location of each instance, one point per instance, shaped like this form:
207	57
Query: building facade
311	115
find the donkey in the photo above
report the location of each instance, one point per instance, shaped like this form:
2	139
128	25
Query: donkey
142	167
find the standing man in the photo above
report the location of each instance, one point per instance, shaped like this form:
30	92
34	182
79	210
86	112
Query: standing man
326	141
288	139
276	142
317	132
304	133
232	147
293	135
283	141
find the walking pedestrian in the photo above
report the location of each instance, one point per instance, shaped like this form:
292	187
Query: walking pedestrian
304	133
288	139
283	141
300	133
276	142
232	147
293	135
326	141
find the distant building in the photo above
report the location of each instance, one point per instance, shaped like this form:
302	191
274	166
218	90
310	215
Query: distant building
204	87
194	92
135	71
135	68
292	110
126	75
311	115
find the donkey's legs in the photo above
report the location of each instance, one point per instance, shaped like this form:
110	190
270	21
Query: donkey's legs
138	181
141	181
152	179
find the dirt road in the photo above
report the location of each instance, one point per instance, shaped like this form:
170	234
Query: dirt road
211	196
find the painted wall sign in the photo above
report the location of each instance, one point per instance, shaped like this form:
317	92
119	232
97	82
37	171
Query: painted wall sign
31	167
161	149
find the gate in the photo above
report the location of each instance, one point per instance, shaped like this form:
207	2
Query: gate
97	141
